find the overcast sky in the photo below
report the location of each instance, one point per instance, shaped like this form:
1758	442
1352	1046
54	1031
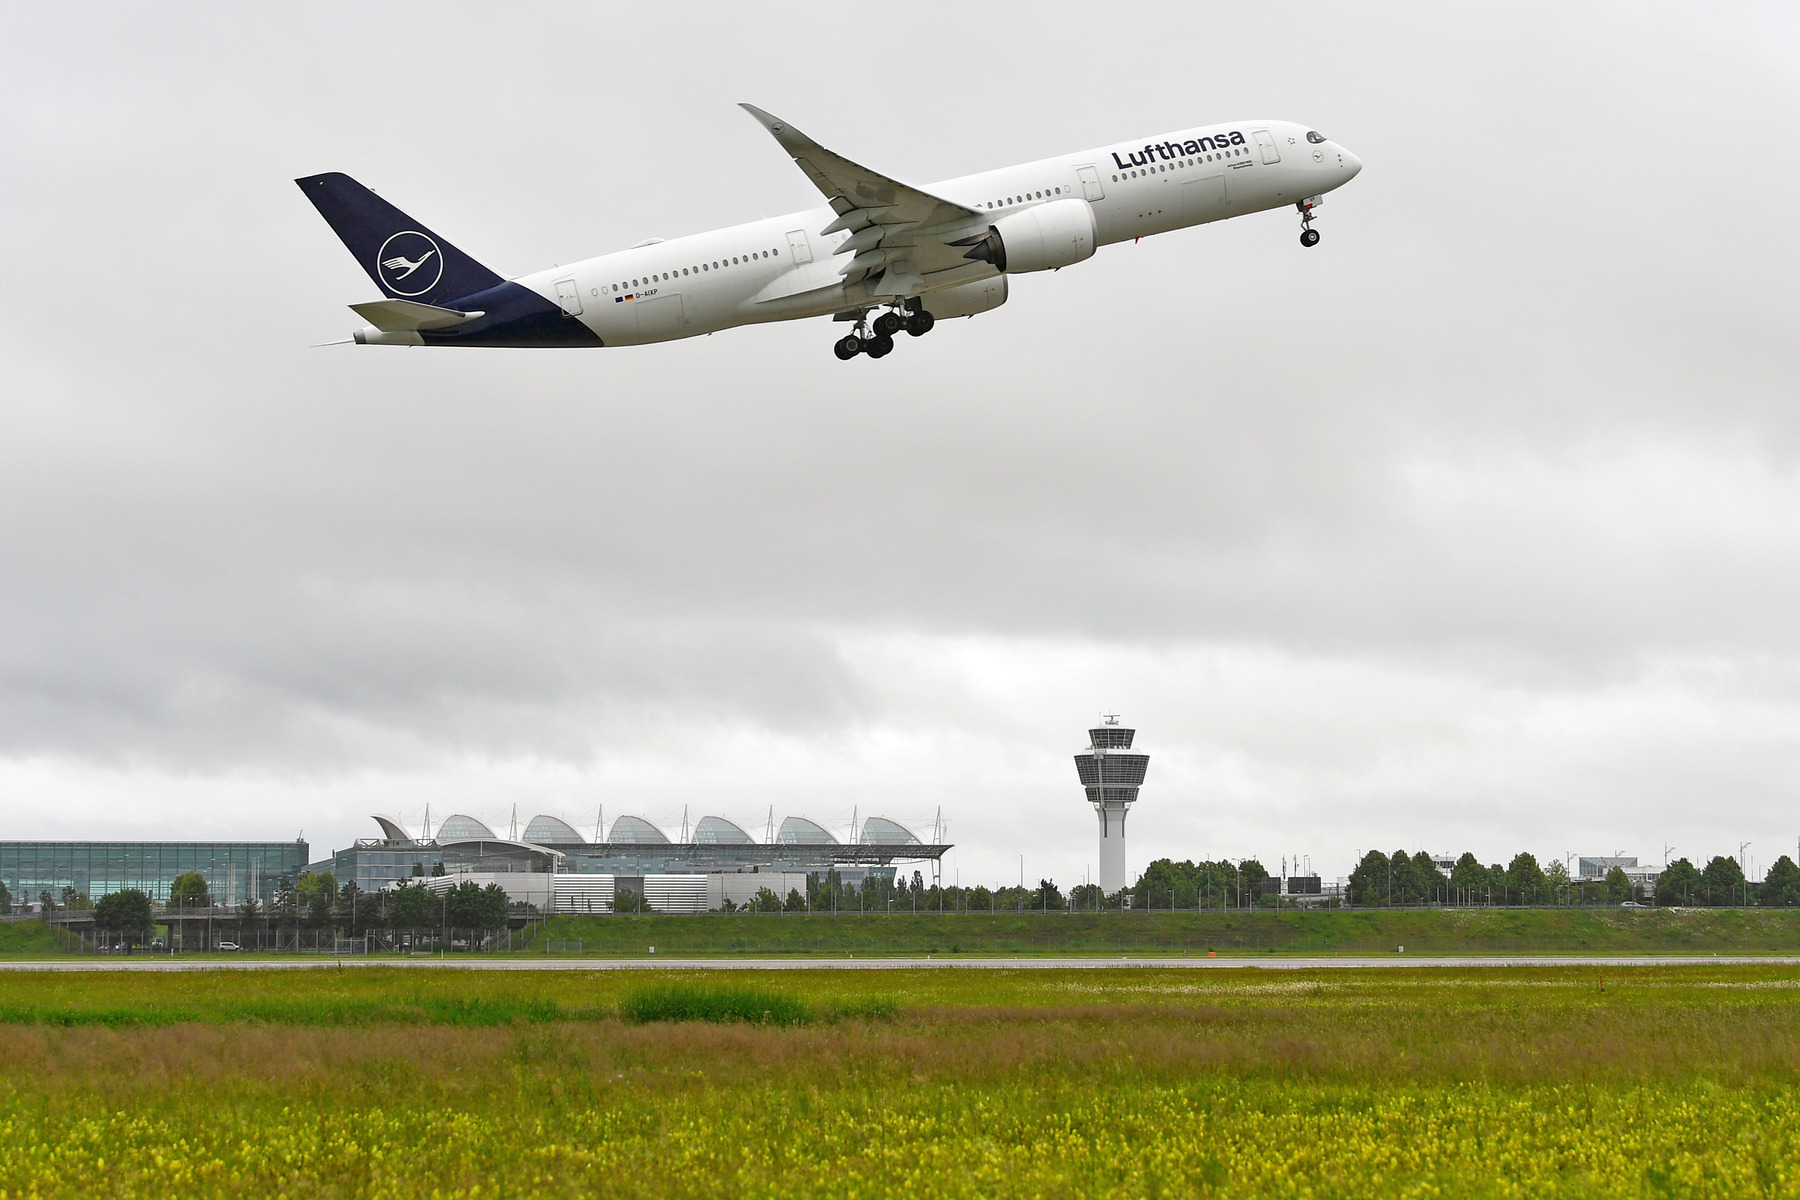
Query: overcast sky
1475	527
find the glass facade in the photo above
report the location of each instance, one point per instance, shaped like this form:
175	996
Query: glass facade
234	871
371	864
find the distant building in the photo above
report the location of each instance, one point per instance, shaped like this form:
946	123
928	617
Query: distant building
234	871
634	852
1597	867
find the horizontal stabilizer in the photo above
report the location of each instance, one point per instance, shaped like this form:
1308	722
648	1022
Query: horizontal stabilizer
391	316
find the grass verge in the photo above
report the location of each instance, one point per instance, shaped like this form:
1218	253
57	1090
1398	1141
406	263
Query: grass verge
1364	931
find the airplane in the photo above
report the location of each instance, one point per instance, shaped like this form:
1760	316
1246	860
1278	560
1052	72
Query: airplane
883	255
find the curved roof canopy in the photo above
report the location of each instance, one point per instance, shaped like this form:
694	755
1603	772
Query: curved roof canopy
717	831
458	827
798	831
393	831
546	830
636	830
880	831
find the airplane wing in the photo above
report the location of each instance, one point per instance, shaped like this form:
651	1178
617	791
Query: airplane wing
897	228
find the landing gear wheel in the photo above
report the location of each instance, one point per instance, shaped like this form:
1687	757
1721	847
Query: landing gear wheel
1309	237
920	323
848	347
887	324
879	346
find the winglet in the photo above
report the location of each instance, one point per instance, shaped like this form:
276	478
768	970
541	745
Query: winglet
791	139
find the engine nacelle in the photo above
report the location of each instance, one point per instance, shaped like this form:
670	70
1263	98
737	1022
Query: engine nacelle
1040	238
965	299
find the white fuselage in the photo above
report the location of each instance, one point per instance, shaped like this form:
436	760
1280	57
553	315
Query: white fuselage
781	268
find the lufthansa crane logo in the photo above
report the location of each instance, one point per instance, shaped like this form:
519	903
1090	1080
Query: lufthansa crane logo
409	263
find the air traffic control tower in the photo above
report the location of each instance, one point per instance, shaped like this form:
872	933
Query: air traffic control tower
1112	773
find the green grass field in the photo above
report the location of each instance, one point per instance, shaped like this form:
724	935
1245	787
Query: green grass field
1366	931
1562	1081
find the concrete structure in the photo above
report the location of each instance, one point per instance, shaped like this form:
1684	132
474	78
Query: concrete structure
234	871
668	893
1111	773
535	888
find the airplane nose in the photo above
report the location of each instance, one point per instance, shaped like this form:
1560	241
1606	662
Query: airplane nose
1352	165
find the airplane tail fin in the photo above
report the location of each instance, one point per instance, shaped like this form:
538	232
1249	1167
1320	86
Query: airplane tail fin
406	260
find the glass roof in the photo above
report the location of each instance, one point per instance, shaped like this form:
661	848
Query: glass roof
718	831
798	831
882	832
546	830
636	830
458	827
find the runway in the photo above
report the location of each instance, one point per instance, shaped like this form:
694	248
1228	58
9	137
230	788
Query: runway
1270	963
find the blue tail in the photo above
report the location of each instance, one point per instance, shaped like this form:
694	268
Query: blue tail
405	259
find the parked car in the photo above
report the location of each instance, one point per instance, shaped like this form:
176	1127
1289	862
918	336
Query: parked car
1632	904
229	946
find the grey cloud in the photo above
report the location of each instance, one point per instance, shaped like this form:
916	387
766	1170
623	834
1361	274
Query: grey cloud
1524	421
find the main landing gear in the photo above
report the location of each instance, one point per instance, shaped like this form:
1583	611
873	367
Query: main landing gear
909	315
1308	235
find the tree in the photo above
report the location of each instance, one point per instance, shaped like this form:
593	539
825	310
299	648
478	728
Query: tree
1557	878
462	905
1780	888
1425	882
189	891
627	901
5	899
1048	897
357	911
766	901
1679	883
74	900
127	913
496	908
1525	879
1469	880
248	916
1369	881
982	900
1253	873
413	907
796	902
1618	886
1723	881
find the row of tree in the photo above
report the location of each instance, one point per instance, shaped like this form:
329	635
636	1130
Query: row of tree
1380	880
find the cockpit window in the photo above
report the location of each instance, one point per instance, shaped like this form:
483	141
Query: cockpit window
1314	136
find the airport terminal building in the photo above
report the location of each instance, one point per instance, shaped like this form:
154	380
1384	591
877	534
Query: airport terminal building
234	871
551	865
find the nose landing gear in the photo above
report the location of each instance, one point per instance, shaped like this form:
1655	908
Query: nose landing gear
909	315
1308	235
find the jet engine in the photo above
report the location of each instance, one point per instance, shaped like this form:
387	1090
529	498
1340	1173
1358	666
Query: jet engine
1040	238
965	299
